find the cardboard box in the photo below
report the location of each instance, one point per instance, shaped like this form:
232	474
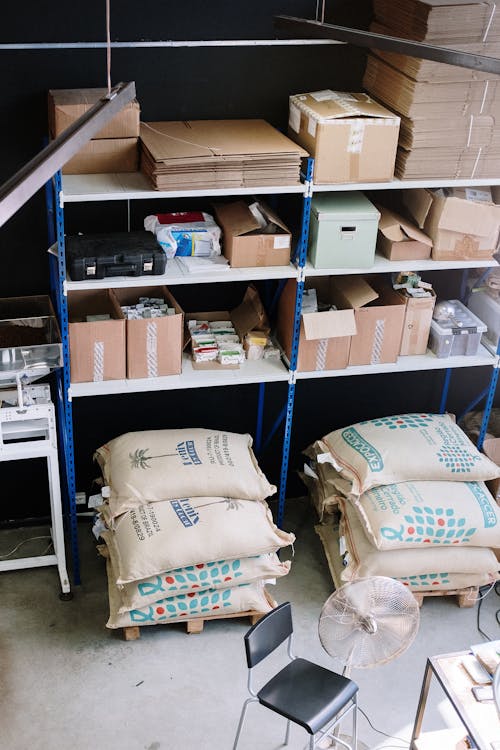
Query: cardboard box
460	229
154	345
67	105
491	448
325	337
97	349
417	323
248	316
352	137
245	243
379	313
105	155
399	239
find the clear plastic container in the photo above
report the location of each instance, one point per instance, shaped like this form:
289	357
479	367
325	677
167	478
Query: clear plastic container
460	335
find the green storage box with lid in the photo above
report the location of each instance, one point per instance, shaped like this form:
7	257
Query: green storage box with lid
343	231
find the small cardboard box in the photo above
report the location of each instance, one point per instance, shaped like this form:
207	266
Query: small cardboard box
417	323
105	155
352	137
67	105
154	345
248	316
245	243
379	314
97	349
399	239
325	337
460	229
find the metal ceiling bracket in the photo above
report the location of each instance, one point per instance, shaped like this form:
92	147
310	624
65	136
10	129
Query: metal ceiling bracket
32	176
290	26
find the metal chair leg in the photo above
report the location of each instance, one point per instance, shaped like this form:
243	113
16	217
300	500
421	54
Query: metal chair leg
355	724
287	733
242	717
311	742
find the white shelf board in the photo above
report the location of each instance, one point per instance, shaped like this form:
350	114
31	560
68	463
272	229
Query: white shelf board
403	184
383	265
408	364
175	275
255	371
79	188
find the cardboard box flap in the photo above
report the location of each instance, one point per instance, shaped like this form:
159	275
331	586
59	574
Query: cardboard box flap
397	229
418	202
354	291
250	314
491	447
327	325
214	138
237	219
468	217
338	105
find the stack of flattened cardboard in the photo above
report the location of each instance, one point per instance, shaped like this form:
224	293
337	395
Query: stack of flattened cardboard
448	114
218	153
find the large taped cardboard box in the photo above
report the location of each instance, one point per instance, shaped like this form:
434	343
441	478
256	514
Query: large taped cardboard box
352	137
97	348
325	337
154	345
67	105
417	323
246	243
105	155
399	239
460	228
379	313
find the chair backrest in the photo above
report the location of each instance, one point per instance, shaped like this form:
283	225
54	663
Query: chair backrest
268	633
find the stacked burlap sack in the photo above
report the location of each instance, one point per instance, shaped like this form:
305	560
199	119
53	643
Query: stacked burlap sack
186	526
413	502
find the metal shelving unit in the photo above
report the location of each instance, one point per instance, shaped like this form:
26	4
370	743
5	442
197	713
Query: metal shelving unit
128	187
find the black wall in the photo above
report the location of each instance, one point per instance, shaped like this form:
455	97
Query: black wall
182	83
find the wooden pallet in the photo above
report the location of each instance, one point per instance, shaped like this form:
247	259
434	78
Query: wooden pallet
329	536
194	626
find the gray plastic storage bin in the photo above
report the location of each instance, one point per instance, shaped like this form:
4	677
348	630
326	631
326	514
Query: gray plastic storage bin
343	231
487	308
460	335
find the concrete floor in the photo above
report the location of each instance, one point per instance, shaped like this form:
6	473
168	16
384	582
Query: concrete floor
67	683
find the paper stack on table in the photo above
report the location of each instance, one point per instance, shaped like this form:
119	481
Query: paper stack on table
218	154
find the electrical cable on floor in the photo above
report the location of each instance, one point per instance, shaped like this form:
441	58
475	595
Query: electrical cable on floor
379	731
495	586
25	541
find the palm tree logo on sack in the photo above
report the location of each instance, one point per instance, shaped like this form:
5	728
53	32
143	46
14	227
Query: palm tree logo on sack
185	450
189	516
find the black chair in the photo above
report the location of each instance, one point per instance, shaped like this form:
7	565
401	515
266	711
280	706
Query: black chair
303	692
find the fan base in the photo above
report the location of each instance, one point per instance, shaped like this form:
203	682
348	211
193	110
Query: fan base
327	743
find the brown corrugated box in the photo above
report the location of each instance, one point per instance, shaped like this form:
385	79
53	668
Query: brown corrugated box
399	239
105	155
243	244
67	105
379	319
154	345
97	349
425	163
460	229
325	337
248	316
492	449
352	137
417	323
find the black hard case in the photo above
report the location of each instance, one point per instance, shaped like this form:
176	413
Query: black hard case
98	256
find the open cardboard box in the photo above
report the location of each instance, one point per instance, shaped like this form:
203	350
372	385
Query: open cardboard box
352	137
399	239
154	345
245	243
97	349
460	228
248	316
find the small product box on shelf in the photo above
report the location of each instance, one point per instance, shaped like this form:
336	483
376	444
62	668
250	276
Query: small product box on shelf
96	336
253	235
379	313
343	230
456	332
487	309
399	239
463	223
154	326
351	136
417	323
325	333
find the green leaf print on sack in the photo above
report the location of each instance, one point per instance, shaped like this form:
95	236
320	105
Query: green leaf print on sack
185	450
428	526
401	421
458	460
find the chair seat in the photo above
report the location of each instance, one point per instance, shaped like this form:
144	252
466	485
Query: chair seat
307	694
